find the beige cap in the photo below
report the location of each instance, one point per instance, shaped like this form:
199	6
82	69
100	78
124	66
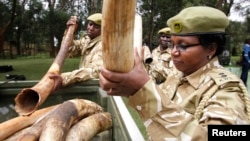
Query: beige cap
165	30
198	20
96	18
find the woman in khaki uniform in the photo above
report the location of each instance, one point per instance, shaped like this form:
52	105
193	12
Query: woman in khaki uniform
89	47
205	93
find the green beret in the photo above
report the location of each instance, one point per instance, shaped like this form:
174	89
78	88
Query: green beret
165	30
198	20
96	18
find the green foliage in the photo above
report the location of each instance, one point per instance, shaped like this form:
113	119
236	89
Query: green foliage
60	19
238	33
155	14
34	26
5	12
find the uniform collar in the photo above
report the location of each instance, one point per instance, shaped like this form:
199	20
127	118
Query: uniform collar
197	78
96	39
167	50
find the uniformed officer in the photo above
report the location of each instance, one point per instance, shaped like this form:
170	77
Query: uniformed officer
162	65
89	47
205	93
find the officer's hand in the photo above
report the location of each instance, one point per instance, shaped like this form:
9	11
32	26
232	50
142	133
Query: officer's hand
159	78
124	84
71	21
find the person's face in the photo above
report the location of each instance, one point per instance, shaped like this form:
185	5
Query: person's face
93	30
164	40
190	58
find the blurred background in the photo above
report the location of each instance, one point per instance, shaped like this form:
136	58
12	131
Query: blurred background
32	27
31	31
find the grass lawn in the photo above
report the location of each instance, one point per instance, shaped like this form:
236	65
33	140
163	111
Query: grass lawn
35	68
234	59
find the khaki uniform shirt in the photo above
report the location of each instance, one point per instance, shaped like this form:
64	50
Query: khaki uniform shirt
91	59
179	114
162	64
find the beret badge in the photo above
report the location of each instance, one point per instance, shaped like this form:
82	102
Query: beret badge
177	27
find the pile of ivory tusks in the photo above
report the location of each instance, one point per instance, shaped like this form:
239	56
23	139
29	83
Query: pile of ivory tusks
72	120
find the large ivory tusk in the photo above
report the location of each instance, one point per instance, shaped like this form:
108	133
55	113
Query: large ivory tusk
54	125
143	51
117	34
61	119
29	99
87	128
11	126
147	55
138	35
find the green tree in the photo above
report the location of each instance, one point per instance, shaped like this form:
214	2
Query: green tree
36	25
155	13
7	19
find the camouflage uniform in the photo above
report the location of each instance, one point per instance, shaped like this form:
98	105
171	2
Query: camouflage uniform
162	65
211	95
91	59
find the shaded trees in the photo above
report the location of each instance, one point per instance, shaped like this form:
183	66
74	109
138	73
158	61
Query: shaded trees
37	23
240	30
155	14
7	18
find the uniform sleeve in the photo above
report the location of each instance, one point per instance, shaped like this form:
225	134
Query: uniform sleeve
226	106
79	75
167	120
85	73
76	48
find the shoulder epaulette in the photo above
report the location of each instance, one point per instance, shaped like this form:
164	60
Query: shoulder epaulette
222	77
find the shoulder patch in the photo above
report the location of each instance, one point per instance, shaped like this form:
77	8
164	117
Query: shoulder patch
222	77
